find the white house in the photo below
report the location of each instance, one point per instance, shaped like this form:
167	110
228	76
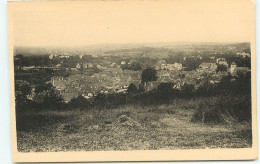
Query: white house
78	66
51	56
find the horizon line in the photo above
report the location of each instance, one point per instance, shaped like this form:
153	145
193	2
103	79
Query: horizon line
135	43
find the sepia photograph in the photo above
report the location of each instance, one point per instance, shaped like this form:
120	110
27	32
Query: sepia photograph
143	80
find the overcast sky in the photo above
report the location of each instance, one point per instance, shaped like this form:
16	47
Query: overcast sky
85	23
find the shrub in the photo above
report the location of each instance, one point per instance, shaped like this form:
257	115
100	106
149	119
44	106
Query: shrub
223	109
141	88
80	103
207	116
131	89
48	99
164	92
134	67
148	74
165	88
123	118
221	68
187	90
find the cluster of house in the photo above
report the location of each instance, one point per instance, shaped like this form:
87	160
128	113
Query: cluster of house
234	69
162	65
243	54
115	80
212	67
88	66
27	68
207	71
62	55
67	55
222	61
208	67
111	80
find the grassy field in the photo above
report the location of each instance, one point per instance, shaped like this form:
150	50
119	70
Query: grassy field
127	128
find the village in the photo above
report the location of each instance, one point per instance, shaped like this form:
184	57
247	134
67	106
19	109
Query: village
88	75
113	79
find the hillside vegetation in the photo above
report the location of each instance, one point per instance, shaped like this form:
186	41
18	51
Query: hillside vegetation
131	127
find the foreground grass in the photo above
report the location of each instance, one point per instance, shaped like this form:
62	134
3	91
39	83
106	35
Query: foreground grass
126	128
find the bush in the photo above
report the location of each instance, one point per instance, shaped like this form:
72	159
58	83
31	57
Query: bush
221	68
207	114
164	92
134	67
187	90
141	88
223	109
80	103
131	89
123	118
48	99
148	74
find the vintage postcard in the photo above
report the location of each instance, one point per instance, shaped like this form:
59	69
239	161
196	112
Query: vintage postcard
126	80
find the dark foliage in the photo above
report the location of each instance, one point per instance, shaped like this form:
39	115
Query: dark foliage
188	90
131	89
192	63
80	103
141	88
165	92
134	66
221	68
216	109
49	99
148	74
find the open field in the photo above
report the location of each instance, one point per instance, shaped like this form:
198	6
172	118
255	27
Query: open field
127	128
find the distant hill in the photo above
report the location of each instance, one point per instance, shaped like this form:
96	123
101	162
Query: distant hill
130	49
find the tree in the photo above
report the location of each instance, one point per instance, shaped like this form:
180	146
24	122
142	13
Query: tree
21	92
188	89
165	92
141	88
206	89
131	89
62	72
227	84
221	68
24	89
100	101
46	60
19	61
48	99
165	88
53	99
43	87
149	74
135	66
192	63
176	57
79	102
247	50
